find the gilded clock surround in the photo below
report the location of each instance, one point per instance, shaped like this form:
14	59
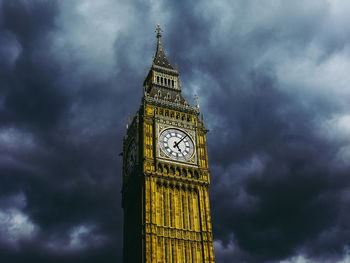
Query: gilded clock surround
166	201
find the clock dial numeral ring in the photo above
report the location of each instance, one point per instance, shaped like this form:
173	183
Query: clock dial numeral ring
176	144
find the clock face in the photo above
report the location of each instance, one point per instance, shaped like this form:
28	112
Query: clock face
131	157
176	144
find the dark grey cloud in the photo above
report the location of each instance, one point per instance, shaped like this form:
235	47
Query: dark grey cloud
272	78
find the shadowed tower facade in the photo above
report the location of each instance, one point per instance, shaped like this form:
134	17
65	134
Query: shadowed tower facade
165	174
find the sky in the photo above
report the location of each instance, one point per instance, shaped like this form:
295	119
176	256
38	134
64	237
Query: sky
272	79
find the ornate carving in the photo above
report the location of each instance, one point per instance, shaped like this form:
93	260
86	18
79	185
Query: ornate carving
168	104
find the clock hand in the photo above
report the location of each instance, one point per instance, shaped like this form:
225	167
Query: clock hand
176	144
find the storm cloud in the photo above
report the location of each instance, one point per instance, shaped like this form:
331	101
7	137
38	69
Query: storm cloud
272	79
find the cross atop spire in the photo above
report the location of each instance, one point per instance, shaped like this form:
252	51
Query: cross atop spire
160	58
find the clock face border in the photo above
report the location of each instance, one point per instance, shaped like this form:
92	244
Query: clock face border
184	149
192	161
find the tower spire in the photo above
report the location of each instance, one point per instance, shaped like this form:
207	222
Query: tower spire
160	58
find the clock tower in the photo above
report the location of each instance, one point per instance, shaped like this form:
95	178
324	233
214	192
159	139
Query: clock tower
165	174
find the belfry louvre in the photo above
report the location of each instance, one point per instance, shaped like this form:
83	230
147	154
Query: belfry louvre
165	174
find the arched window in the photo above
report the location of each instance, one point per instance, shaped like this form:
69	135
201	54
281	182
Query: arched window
183	212
172	83
196	175
189	213
171	214
161	80
157	79
164	214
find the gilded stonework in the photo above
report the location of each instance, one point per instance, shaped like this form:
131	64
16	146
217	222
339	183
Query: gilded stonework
165	198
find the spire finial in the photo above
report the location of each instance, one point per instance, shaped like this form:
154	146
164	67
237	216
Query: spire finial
159	31
159	35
